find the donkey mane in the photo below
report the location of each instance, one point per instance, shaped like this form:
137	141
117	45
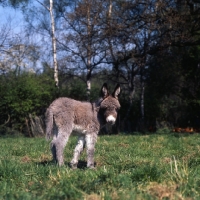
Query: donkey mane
67	116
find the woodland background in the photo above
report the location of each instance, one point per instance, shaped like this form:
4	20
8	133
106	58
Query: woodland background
151	47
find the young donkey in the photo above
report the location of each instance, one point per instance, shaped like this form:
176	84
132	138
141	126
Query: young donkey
65	115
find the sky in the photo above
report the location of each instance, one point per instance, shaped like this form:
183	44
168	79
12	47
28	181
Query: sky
13	16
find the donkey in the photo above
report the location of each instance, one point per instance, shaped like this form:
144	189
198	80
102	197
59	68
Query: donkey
65	116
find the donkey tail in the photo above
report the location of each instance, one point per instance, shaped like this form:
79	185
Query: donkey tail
49	123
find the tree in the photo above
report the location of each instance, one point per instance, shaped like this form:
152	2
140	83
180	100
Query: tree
53	38
23	95
82	40
129	42
18	53
13	3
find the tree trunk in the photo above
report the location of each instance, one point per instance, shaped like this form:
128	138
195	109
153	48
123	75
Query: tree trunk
109	26
142	120
110	10
131	96
142	101
54	44
89	67
88	83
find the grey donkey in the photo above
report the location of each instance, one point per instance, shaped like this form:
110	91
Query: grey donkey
65	116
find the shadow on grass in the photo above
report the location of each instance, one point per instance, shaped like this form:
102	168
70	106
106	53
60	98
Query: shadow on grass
46	162
81	164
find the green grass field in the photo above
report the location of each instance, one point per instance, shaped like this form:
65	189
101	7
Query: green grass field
155	166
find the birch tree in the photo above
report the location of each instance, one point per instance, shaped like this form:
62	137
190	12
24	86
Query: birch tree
89	67
86	50
17	51
53	38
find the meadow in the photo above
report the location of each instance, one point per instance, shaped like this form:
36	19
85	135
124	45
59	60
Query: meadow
162	165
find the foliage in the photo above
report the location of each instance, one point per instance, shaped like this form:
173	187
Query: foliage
23	95
28	93
76	89
172	89
154	44
156	166
13	3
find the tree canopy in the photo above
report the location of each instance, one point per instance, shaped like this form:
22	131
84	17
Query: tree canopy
152	48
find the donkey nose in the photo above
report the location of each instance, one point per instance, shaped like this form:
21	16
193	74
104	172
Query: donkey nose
110	119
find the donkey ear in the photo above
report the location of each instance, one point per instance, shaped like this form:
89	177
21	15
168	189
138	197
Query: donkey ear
104	91
116	91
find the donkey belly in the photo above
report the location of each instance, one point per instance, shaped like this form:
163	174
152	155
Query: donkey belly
79	130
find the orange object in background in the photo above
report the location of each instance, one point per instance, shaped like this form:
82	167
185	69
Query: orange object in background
185	130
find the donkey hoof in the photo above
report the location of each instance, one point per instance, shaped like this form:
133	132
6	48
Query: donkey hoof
60	164
91	167
73	165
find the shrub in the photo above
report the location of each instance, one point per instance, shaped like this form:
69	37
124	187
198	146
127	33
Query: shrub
23	95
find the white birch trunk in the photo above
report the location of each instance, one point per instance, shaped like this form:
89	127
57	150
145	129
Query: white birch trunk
53	37
109	23
110	10
89	69
54	44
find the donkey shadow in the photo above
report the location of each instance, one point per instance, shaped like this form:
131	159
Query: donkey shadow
81	164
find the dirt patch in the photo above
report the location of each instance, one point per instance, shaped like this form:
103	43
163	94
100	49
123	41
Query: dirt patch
123	145
164	191
93	197
167	160
26	159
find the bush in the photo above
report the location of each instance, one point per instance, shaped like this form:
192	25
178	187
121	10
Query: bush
23	95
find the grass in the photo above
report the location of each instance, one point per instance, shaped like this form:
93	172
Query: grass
155	166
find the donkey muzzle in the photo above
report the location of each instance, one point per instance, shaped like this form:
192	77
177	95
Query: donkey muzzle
110	119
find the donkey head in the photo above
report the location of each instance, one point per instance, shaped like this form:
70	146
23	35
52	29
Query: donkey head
109	104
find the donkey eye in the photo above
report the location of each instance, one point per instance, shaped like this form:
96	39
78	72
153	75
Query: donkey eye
104	108
117	108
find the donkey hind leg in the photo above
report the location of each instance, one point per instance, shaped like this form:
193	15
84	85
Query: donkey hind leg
77	151
53	147
90	143
57	147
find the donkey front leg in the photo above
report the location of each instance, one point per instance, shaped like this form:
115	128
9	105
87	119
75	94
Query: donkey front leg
77	151
57	147
90	143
